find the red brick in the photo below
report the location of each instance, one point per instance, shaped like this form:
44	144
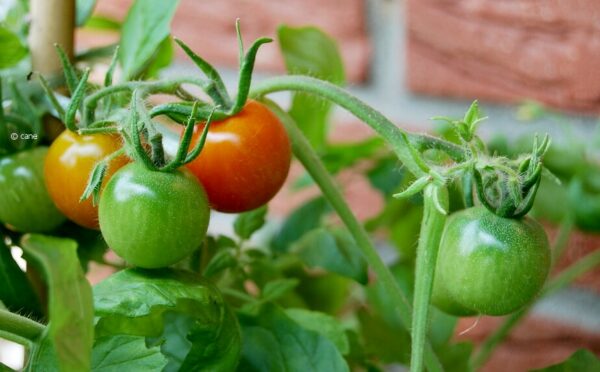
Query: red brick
208	26
535	343
548	50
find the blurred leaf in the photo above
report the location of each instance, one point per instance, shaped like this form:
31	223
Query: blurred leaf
12	49
337	157
90	244
146	27
327	292
277	288
307	217
161	59
103	23
323	324
222	260
455	357
382	341
275	343
581	361
126	353
16	291
69	335
178	310
84	8
248	223
386	175
309	51
334	251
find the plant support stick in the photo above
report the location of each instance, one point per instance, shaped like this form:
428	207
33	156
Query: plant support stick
52	22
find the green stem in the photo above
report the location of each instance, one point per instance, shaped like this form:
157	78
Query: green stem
23	328
396	137
563	279
310	160
562	239
432	227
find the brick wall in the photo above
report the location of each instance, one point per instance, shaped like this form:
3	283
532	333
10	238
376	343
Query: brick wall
208	26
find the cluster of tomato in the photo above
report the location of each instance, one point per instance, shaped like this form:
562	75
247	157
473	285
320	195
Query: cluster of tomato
150	218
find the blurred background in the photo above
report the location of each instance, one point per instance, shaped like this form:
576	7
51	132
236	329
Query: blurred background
533	64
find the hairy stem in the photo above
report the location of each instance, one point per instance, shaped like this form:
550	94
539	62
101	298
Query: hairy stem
310	160
398	139
20	326
432	227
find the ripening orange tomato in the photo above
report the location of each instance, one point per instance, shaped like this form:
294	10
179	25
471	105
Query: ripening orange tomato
245	159
67	169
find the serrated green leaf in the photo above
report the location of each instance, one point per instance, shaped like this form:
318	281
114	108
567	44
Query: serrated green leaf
69	335
277	288
16	291
12	49
309	51
334	251
178	310
323	324
145	28
126	353
275	343
248	223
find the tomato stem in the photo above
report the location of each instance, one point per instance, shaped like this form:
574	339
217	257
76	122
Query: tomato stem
20	326
310	160
432	226
395	136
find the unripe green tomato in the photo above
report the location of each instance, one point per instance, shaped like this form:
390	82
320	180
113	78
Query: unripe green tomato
488	264
24	201
153	219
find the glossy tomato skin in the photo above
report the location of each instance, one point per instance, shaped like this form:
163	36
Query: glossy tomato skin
24	201
153	219
488	264
67	169
245	160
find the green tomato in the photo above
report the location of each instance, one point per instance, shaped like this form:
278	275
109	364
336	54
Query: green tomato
584	197
24	201
488	264
153	219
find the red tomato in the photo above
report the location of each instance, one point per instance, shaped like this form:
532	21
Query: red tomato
67	169
245	160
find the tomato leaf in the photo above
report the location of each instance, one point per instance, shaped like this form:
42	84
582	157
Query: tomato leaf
84	8
16	291
304	219
277	288
309	51
145	28
126	353
179	311
69	336
324	324
581	361
161	59
274	342
248	223
12	49
334	251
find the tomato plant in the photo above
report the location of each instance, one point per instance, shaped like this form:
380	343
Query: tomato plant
245	160
67	170
253	294
24	201
153	219
489	264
